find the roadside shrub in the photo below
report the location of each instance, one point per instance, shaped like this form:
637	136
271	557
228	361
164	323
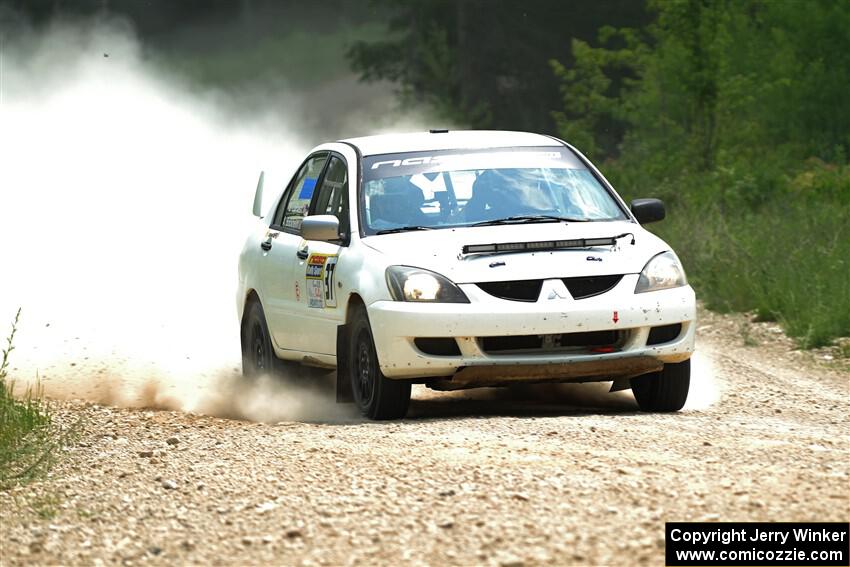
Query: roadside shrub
29	441
787	259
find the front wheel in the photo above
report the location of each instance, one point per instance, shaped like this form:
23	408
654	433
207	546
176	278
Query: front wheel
663	391
258	356
376	396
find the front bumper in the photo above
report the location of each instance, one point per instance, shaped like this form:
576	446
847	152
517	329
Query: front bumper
396	324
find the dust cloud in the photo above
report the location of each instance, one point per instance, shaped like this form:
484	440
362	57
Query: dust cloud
705	389
224	394
125	197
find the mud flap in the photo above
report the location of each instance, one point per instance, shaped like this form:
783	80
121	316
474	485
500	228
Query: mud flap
343	381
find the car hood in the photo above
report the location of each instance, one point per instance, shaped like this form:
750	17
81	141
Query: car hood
440	251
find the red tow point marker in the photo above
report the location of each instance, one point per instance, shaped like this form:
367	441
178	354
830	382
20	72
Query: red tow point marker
616	317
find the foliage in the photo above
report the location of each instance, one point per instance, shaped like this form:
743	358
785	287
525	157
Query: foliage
734	113
480	63
788	260
29	440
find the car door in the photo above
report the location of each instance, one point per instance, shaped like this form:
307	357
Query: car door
321	314
282	290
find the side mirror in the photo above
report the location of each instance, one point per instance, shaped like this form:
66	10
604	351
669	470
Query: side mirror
648	210
258	196
320	227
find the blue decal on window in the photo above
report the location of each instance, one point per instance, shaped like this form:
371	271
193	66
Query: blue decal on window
307	189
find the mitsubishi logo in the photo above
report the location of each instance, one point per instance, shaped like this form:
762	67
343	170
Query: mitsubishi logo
555	289
555	294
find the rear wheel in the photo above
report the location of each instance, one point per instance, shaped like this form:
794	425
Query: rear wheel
663	391
376	396
258	356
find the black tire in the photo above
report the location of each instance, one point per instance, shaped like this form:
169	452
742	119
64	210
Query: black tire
376	396
663	391
258	357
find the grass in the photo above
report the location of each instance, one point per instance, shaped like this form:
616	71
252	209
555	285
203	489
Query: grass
788	259
29	439
47	506
746	330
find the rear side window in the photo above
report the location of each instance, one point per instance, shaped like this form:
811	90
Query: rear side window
301	193
333	194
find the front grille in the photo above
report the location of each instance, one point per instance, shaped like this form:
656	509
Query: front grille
591	339
520	342
664	334
529	290
437	346
592	285
520	290
595	341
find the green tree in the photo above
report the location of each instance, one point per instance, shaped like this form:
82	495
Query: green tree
708	78
483	63
734	112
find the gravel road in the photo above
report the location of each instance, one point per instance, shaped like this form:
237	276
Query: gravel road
541	476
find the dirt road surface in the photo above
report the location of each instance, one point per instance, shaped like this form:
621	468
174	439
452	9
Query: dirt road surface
511	478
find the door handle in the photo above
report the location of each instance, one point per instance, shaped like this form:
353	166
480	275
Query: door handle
266	245
302	253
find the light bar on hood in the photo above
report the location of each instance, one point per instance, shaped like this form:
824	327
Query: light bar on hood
539	246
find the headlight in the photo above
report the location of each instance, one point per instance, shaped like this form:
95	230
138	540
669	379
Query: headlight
663	271
416	284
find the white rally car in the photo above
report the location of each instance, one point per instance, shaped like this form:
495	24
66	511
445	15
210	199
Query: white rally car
461	260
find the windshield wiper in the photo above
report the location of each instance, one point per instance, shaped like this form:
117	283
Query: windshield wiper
522	219
403	229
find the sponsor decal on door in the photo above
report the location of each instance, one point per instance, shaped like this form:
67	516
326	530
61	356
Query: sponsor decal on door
320	276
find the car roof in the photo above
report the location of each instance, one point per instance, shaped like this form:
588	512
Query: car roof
447	140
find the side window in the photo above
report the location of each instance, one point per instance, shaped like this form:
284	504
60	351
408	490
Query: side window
300	194
333	194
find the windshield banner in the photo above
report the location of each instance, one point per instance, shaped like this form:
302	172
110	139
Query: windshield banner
413	163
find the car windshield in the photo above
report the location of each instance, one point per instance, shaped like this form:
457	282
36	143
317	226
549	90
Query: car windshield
443	189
